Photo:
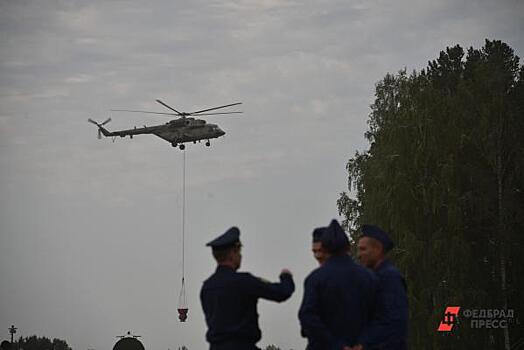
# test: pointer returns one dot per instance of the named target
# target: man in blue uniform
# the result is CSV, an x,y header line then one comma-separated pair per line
x,y
338,296
389,327
229,298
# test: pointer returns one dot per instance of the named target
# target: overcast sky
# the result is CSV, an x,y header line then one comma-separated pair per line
x,y
90,243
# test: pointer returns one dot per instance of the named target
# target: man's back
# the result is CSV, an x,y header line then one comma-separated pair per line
x,y
337,305
229,300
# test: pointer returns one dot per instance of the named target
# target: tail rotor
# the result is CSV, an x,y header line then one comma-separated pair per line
x,y
100,125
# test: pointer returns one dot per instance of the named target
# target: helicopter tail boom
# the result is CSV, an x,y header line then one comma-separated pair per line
x,y
104,131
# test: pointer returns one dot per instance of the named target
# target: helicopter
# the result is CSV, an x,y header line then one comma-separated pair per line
x,y
185,129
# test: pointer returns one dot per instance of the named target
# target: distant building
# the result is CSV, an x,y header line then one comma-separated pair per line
x,y
128,343
5,345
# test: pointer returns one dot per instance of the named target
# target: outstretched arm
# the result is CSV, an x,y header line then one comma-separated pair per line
x,y
279,291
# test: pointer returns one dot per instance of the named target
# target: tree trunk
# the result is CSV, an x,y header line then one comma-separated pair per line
x,y
501,246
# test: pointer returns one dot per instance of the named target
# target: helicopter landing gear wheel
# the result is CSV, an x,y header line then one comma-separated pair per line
x,y
174,144
208,143
182,147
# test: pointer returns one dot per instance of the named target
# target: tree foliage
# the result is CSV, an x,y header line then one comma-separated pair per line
x,y
272,347
444,174
42,343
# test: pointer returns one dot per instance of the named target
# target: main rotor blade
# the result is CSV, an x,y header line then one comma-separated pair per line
x,y
212,109
129,110
171,108
196,115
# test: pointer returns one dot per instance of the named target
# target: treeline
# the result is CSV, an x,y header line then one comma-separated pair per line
x,y
444,175
37,343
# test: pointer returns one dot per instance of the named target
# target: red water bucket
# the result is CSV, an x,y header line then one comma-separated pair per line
x,y
182,314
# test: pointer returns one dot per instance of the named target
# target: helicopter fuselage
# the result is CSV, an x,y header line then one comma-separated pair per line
x,y
177,131
187,128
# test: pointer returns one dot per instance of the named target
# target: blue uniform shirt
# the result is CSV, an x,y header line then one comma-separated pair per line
x,y
338,303
389,327
229,300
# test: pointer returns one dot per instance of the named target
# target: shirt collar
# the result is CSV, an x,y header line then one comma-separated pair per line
x,y
224,268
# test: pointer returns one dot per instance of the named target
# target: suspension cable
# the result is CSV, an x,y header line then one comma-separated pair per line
x,y
183,214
